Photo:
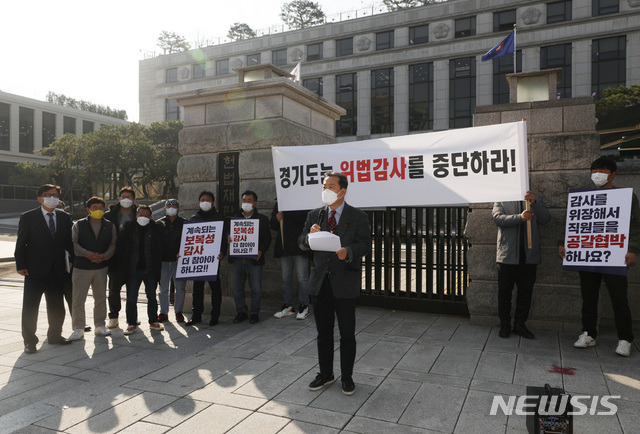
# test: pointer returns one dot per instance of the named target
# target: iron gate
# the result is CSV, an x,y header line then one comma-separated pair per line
x,y
418,260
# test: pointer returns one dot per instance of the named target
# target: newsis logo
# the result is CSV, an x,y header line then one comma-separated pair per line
x,y
555,405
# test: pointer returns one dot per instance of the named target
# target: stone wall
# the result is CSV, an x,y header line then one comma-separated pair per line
x,y
562,143
249,118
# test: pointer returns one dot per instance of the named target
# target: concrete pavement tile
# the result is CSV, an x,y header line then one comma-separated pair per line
x,y
206,372
140,427
124,414
13,374
306,414
626,406
384,354
217,394
420,358
425,377
366,426
294,342
298,427
498,388
389,401
17,360
334,400
412,328
532,370
142,384
177,412
496,367
498,344
26,383
217,419
276,357
383,325
33,429
298,392
260,422
309,350
272,381
176,369
459,362
471,333
629,422
25,416
517,424
371,380
475,415
114,354
50,368
597,424
442,328
623,382
390,338
444,404
587,379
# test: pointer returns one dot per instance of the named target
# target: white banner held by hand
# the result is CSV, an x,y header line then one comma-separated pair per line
x,y
245,236
199,249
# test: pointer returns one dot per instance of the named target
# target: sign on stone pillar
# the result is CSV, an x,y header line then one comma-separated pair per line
x,y
228,182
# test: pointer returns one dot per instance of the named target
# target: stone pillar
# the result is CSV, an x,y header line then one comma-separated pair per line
x,y
329,87
484,82
14,128
441,94
37,129
401,99
581,67
248,118
364,103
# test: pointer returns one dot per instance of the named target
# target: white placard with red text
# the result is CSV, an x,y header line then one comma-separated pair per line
x,y
199,249
469,165
245,235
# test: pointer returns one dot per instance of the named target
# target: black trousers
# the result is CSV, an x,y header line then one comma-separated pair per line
x,y
198,298
326,308
115,286
617,287
51,287
522,275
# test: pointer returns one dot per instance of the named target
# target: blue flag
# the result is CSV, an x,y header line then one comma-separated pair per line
x,y
504,47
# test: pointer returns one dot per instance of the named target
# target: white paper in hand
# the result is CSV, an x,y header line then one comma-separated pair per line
x,y
324,242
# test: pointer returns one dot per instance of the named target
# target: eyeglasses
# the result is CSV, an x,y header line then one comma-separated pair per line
x,y
50,195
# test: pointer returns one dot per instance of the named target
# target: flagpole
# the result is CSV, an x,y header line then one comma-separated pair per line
x,y
515,50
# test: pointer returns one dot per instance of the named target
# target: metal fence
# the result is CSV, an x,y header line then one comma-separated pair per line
x,y
418,260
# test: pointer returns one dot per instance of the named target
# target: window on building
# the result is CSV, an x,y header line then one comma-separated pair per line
x,y
87,127
501,67
68,125
346,97
465,27
172,75
384,40
604,7
279,57
25,131
172,111
504,20
421,97
558,56
48,129
462,91
382,101
222,67
608,64
199,70
314,51
419,35
344,47
313,84
559,11
254,59
5,127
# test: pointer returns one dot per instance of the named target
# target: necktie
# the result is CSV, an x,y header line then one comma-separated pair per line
x,y
332,221
52,225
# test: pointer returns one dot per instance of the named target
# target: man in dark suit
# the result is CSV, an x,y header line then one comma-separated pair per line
x,y
335,280
44,237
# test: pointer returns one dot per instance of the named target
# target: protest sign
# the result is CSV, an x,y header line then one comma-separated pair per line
x,y
199,249
597,230
244,234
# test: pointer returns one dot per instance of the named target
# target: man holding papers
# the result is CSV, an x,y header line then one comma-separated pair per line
x,y
335,278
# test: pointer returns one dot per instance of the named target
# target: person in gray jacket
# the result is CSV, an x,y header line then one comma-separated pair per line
x,y
516,262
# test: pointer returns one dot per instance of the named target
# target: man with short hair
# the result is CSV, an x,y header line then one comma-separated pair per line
x,y
603,171
250,268
119,214
44,238
94,243
335,280
171,227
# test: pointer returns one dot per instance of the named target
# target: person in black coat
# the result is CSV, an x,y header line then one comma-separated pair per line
x,y
44,238
171,227
250,268
288,226
208,213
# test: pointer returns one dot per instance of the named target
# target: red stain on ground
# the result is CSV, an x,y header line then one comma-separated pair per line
x,y
559,370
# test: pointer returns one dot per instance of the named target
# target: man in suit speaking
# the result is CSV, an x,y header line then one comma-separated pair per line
x,y
335,279
44,238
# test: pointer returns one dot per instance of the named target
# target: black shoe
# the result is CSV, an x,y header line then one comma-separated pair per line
x,y
505,330
59,341
254,319
87,328
321,381
520,329
213,322
193,321
241,316
348,386
30,349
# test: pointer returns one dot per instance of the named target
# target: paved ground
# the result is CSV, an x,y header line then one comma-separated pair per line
x,y
414,373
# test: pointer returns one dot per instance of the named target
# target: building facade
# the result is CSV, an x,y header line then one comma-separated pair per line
x,y
27,125
420,69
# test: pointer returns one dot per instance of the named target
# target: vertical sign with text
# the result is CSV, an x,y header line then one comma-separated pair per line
x,y
228,182
245,236
199,249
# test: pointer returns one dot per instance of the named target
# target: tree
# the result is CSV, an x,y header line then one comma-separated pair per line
x,y
164,139
394,5
300,14
620,98
618,113
79,104
25,173
239,31
171,42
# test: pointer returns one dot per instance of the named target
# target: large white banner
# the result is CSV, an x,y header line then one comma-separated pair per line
x,y
480,164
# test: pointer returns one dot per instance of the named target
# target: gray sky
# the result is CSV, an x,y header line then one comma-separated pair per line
x,y
90,50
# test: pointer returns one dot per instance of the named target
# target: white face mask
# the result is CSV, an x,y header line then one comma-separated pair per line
x,y
599,179
171,212
143,221
247,207
51,202
126,203
205,206
329,197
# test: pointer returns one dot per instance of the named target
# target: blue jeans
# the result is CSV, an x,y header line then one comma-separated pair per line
x,y
243,268
167,273
301,264
133,286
